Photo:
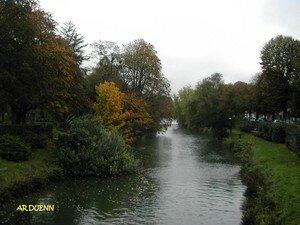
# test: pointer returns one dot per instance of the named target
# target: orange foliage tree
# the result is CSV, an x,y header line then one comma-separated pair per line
x,y
124,112
138,120
37,67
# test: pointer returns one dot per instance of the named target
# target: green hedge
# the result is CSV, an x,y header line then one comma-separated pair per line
x,y
292,139
274,132
278,132
248,126
266,130
13,148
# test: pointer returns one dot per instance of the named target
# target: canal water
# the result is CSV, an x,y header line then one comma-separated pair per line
x,y
185,179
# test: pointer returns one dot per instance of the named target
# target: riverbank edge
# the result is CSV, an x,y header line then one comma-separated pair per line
x,y
36,173
270,198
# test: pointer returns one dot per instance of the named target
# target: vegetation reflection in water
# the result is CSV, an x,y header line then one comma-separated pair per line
x,y
186,179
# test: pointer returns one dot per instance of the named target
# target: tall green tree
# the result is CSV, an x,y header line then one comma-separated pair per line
x,y
243,95
142,68
257,98
209,105
294,102
279,72
75,41
280,54
21,39
108,67
212,110
185,107
141,72
76,44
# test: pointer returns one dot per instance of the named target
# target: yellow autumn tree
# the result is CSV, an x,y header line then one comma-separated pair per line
x,y
109,105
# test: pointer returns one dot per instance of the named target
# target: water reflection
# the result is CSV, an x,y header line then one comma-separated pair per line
x,y
187,179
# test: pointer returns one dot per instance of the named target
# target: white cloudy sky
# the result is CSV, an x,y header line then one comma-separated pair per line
x,y
194,38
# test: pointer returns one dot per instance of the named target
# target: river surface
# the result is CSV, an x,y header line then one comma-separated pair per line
x,y
185,179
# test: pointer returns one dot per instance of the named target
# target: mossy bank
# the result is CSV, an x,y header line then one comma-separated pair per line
x,y
20,178
271,173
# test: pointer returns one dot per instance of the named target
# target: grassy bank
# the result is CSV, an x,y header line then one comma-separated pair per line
x,y
17,178
279,189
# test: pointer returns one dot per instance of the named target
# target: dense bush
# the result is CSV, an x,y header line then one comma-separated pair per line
x,y
36,140
267,131
220,133
88,149
14,148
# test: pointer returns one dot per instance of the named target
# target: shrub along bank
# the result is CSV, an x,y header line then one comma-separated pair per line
x,y
86,149
272,175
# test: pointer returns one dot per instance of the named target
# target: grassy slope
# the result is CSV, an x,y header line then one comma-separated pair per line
x,y
284,169
14,174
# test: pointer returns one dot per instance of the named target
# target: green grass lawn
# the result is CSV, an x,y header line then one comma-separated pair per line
x,y
14,174
283,168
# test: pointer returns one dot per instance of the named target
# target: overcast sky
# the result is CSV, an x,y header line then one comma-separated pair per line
x,y
193,38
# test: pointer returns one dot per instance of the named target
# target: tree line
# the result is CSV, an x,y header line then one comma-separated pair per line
x,y
276,89
41,70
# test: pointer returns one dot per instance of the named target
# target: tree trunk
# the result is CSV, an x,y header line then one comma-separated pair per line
x,y
284,114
